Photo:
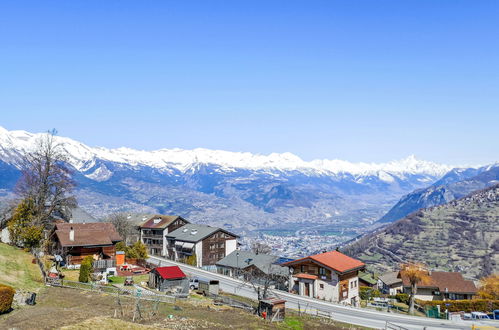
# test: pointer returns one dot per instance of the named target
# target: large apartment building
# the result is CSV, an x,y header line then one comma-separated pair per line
x,y
154,230
208,244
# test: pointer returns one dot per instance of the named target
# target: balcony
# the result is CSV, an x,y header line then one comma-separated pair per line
x,y
152,236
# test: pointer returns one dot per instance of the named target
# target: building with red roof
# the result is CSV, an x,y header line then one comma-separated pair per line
x,y
330,276
170,278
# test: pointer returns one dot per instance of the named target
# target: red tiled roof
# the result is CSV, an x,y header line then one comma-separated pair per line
x,y
170,272
332,259
164,221
87,234
452,282
307,276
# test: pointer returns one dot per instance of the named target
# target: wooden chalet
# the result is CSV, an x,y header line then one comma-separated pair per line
x,y
75,241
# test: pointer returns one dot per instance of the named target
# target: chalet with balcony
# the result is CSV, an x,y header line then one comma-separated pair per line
x,y
442,286
75,241
154,230
208,244
330,276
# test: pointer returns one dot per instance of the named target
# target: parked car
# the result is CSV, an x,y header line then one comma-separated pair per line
x,y
128,281
193,284
479,316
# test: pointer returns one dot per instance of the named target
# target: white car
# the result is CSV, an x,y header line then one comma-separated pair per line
x,y
193,284
479,316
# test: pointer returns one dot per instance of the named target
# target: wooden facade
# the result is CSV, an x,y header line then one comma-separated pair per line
x,y
214,247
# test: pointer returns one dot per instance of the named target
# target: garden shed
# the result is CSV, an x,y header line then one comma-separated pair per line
x,y
170,278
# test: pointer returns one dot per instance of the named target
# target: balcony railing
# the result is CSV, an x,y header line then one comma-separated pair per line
x,y
153,236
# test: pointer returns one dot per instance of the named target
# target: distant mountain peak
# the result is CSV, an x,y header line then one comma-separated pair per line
x,y
82,156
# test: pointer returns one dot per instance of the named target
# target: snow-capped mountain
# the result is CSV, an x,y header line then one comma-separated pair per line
x,y
238,190
82,158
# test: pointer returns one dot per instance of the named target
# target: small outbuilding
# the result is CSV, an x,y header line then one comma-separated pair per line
x,y
272,309
170,278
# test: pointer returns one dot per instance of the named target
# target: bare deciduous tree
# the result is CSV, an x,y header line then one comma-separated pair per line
x,y
263,281
46,180
123,226
260,248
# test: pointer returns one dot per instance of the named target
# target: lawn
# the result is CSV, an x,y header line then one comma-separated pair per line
x,y
17,270
121,279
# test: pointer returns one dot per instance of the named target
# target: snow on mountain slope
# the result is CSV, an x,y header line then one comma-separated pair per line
x,y
84,158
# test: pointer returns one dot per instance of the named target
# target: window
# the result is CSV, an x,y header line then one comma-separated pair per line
x,y
302,268
322,271
321,286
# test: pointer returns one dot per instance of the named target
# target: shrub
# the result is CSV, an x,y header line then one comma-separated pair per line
x,y
6,298
475,305
191,260
367,293
136,251
403,298
86,269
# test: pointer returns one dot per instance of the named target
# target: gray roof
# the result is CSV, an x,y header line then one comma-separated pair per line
x,y
192,232
79,215
264,262
390,278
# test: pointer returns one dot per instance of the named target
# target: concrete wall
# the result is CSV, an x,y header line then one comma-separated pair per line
x,y
424,294
198,248
230,246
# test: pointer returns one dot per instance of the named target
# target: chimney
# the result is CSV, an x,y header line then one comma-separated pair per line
x,y
71,234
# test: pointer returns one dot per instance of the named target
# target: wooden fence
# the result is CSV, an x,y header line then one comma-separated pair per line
x,y
140,294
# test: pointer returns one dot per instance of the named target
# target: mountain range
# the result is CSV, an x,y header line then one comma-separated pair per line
x,y
245,192
455,184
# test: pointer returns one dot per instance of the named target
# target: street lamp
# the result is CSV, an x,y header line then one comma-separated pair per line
x,y
237,263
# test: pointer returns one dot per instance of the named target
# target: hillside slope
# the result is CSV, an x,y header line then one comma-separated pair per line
x,y
462,235
456,184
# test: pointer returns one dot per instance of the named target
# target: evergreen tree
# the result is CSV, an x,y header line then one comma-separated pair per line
x,y
86,269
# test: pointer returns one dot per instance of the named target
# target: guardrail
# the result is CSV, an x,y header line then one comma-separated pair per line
x,y
393,326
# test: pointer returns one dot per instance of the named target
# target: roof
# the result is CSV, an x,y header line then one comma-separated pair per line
x,y
446,282
390,278
306,276
332,259
75,215
170,272
192,232
87,234
265,262
159,221
367,277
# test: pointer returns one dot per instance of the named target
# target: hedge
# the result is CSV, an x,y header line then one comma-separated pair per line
x,y
402,297
475,305
6,298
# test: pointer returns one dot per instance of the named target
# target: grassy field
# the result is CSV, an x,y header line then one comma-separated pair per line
x,y
17,270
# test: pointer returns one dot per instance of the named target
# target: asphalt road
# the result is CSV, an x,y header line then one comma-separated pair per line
x,y
352,315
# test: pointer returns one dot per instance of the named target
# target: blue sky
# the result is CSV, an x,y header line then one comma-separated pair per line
x,y
355,80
